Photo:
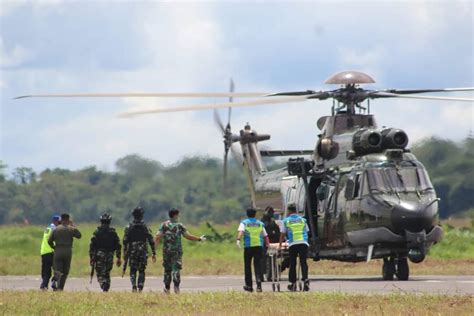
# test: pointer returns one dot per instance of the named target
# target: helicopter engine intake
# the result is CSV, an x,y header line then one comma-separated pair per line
x,y
394,138
366,141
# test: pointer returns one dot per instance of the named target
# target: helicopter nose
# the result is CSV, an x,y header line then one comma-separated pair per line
x,y
412,216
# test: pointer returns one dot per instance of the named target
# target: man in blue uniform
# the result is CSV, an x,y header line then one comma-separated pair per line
x,y
254,235
47,254
296,230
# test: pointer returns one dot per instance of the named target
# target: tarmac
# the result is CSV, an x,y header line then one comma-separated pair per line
x,y
429,284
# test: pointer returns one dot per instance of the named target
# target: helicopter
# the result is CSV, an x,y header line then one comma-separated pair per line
x,y
363,193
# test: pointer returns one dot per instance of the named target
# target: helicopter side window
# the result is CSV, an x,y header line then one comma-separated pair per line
x,y
365,185
357,185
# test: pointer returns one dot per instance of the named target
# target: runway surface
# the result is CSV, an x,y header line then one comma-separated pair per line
x,y
449,285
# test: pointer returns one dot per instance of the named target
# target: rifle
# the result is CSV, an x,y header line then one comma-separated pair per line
x,y
92,270
125,257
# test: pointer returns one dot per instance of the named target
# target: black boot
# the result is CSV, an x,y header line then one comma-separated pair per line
x,y
306,285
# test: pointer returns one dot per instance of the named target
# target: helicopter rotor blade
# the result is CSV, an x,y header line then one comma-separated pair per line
x,y
218,121
411,91
215,106
394,95
226,152
149,95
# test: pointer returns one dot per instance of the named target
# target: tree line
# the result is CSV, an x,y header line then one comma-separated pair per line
x,y
194,185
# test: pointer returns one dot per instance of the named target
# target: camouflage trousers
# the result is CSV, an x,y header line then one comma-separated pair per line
x,y
104,261
137,261
172,264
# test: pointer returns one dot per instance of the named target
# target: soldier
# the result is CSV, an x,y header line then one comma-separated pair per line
x,y
135,248
171,232
296,230
104,243
47,255
61,240
254,235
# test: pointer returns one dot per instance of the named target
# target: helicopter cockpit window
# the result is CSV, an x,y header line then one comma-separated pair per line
x,y
425,183
399,180
376,180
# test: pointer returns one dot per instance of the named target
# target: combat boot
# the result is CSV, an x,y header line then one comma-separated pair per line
x,y
259,287
166,289
176,289
306,285
248,288
134,289
292,287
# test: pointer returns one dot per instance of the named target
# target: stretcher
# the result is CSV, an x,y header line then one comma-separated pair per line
x,y
276,255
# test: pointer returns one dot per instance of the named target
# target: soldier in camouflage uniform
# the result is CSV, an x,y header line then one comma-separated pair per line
x,y
171,232
104,243
135,248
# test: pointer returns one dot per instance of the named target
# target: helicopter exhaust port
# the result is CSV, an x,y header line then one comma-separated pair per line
x,y
394,138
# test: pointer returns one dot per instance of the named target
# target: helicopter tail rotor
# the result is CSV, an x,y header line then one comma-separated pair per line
x,y
229,138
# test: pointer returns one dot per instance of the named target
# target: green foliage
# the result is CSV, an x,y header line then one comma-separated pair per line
x,y
193,185
451,168
457,243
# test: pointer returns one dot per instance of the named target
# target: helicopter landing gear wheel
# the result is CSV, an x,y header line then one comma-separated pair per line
x,y
388,269
403,271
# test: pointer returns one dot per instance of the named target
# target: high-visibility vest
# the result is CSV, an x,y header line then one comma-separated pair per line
x,y
296,229
253,233
45,247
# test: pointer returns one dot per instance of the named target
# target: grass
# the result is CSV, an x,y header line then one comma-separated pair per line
x,y
229,303
19,254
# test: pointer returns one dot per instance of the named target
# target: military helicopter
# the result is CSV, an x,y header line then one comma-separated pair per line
x,y
364,194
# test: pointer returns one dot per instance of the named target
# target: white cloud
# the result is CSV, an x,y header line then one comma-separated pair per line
x,y
12,57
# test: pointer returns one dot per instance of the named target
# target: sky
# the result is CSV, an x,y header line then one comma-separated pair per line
x,y
196,46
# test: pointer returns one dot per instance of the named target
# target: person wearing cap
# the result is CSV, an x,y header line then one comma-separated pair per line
x,y
170,232
61,240
135,250
104,243
296,230
255,237
47,254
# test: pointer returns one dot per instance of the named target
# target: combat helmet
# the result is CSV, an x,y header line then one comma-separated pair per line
x,y
105,218
138,212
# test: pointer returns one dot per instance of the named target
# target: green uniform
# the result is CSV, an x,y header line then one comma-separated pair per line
x,y
135,239
171,233
104,243
61,240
